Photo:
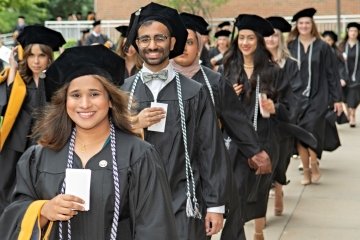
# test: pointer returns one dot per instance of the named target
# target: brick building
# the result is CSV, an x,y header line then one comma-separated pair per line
x,y
121,9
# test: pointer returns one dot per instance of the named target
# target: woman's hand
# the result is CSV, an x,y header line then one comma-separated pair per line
x,y
61,208
268,105
148,117
238,88
342,82
12,62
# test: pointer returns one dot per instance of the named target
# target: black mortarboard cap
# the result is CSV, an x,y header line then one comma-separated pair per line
x,y
307,12
255,23
21,16
86,30
194,22
97,22
279,23
80,61
167,16
331,34
223,24
353,24
222,33
42,35
123,30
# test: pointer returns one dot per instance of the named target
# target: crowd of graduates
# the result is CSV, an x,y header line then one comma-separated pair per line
x,y
182,139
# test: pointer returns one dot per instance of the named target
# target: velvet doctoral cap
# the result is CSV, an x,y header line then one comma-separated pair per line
x,y
307,12
331,34
163,14
97,22
279,23
123,30
254,23
222,33
42,35
353,24
80,61
195,23
223,24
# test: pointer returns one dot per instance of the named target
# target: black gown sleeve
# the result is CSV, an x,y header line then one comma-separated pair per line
x,y
235,122
24,195
332,76
211,154
150,199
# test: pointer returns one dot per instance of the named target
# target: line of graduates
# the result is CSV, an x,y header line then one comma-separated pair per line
x,y
213,143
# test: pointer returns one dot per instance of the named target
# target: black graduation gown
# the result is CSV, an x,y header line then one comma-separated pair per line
x,y
18,139
214,51
244,137
145,208
92,39
352,87
324,88
204,57
256,189
205,146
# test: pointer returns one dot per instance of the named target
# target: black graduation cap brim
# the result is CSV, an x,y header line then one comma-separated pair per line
x,y
42,35
254,23
331,34
223,24
85,30
222,33
123,30
280,23
353,24
85,60
167,16
97,22
195,23
307,12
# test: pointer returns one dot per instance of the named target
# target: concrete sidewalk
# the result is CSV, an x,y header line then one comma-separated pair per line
x,y
329,210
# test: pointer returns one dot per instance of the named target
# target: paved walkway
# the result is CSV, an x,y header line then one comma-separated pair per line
x,y
329,210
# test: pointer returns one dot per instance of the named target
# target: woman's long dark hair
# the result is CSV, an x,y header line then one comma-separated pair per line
x,y
263,66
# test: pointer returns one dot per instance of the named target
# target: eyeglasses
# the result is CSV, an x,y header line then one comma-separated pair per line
x,y
144,41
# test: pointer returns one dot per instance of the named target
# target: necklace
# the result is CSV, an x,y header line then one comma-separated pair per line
x,y
83,147
248,66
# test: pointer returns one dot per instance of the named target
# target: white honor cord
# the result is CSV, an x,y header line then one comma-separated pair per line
x,y
256,108
192,206
308,87
353,76
208,85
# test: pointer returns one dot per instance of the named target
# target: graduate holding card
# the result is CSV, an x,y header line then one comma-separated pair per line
x,y
85,132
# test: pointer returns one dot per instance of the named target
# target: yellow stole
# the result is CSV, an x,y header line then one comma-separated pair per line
x,y
32,217
16,99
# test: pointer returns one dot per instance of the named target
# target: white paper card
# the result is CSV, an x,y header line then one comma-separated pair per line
x,y
160,126
5,53
264,114
78,184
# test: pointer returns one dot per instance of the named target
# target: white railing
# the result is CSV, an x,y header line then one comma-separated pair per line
x,y
71,29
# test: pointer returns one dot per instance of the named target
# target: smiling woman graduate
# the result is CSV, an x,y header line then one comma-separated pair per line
x,y
86,127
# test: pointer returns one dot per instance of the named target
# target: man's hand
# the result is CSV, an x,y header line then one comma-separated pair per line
x,y
338,108
213,223
148,117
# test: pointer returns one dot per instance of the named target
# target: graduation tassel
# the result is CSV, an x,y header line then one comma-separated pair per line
x,y
189,207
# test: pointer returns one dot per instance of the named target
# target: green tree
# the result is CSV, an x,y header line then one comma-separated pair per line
x,y
65,7
199,7
34,10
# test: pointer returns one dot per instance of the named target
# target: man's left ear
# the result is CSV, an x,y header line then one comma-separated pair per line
x,y
172,43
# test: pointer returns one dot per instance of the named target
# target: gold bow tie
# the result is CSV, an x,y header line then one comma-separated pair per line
x,y
162,75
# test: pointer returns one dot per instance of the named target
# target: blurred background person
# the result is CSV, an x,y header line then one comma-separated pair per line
x,y
23,91
350,48
216,53
84,35
133,61
96,37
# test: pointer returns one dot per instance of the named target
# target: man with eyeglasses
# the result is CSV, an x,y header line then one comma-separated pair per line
x,y
178,118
